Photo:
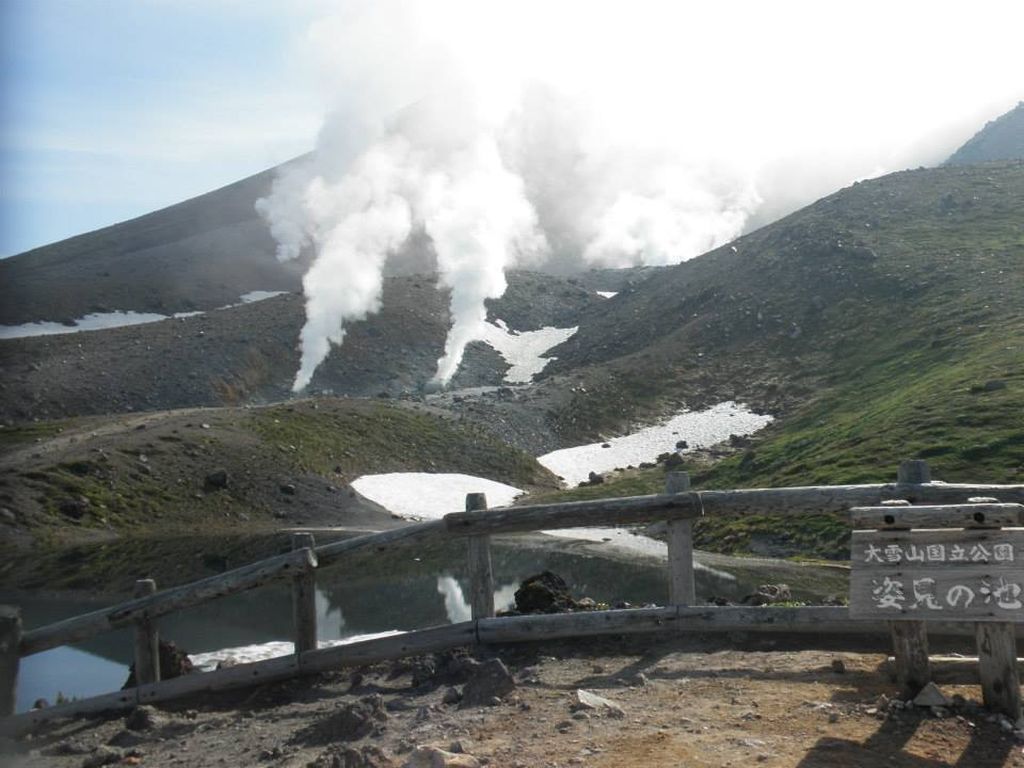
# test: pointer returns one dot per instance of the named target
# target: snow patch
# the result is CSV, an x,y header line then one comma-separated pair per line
x,y
524,350
699,429
254,296
422,495
96,321
607,294
101,321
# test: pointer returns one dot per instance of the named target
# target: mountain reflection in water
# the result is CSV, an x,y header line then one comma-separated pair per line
x,y
400,589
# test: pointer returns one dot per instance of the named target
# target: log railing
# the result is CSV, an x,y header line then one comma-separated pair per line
x,y
678,506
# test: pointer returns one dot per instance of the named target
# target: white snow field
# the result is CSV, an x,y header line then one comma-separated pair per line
x,y
417,495
427,496
699,429
523,350
98,321
607,294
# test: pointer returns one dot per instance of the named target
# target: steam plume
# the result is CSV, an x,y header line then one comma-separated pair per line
x,y
577,134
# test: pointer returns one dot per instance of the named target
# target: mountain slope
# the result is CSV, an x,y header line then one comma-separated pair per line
x,y
884,321
249,353
198,254
281,465
1000,139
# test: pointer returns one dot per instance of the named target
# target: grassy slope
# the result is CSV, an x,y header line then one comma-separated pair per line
x,y
895,368
147,472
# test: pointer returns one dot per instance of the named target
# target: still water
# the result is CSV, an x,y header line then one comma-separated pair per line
x,y
378,592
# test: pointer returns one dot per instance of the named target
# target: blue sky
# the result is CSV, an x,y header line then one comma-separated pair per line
x,y
112,108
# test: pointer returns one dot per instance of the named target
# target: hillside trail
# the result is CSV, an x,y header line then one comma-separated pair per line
x,y
95,427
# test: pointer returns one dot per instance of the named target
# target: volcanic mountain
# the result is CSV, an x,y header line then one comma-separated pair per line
x,y
1000,139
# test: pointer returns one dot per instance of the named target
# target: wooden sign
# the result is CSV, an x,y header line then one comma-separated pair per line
x,y
938,575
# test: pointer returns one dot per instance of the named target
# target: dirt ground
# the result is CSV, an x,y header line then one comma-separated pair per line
x,y
694,703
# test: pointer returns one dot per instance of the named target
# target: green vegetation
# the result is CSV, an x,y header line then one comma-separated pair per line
x,y
898,311
374,437
22,434
221,469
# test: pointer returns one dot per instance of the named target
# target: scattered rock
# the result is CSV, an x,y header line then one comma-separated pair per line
x,y
103,755
217,480
931,696
674,461
433,757
338,756
7,516
989,386
838,666
74,508
681,445
545,592
768,594
126,738
67,747
488,681
143,719
174,662
587,700
351,722
288,489
452,695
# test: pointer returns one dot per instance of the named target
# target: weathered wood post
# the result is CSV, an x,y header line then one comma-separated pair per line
x,y
997,667
304,599
481,578
910,638
147,640
10,655
681,584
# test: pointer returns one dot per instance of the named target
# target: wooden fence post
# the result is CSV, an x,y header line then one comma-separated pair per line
x,y
910,638
681,584
481,577
10,655
147,640
913,471
304,599
997,667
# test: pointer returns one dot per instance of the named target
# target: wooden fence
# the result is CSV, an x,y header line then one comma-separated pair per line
x,y
679,506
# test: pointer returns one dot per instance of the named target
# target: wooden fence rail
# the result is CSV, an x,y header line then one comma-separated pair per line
x,y
678,505
160,603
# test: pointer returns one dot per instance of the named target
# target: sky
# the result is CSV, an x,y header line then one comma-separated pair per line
x,y
112,108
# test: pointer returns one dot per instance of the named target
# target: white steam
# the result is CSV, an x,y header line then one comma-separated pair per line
x,y
572,134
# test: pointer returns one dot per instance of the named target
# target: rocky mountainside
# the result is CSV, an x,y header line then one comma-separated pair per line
x,y
885,320
249,354
214,469
199,254
1000,139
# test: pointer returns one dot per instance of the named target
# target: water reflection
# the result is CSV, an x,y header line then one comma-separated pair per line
x,y
382,591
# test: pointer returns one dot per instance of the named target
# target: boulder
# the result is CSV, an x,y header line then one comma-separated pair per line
x,y
143,719
488,682
931,696
358,719
545,592
587,700
216,480
174,662
769,594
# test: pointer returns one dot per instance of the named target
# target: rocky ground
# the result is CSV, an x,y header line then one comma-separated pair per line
x,y
612,702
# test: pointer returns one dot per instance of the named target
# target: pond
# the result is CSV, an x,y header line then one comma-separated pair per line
x,y
401,589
